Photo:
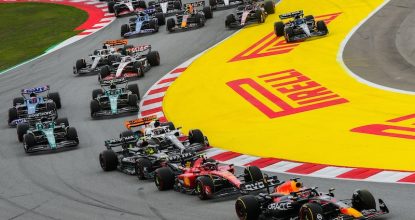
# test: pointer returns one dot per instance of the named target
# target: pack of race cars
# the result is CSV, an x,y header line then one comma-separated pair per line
x,y
156,150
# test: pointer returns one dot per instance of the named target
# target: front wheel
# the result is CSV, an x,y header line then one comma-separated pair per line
x,y
143,165
108,160
247,207
164,179
204,187
153,58
311,211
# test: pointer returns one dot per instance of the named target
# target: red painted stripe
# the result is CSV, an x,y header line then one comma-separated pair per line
x,y
151,111
359,173
178,70
226,156
306,168
408,179
152,101
155,91
167,80
263,162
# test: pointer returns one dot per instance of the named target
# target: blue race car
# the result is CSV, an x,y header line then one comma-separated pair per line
x,y
31,103
147,21
49,135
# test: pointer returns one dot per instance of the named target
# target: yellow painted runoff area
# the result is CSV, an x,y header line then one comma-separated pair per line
x,y
255,94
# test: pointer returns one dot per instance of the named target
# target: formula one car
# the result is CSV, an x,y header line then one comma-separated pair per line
x,y
112,100
207,179
31,103
140,156
167,7
48,135
191,18
224,4
30,122
291,201
300,27
143,23
249,13
125,7
101,57
139,60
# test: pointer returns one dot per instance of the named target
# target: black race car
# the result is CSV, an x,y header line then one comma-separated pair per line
x,y
191,18
291,200
250,13
300,27
111,100
225,4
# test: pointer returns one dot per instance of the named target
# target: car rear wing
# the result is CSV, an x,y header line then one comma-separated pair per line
x,y
291,14
139,49
113,81
112,43
116,142
265,183
194,4
38,89
139,121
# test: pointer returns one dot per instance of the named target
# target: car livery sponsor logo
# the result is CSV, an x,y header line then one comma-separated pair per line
x,y
138,48
280,206
271,45
401,127
40,114
291,93
35,90
17,121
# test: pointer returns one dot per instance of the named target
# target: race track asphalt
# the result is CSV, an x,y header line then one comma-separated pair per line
x,y
71,184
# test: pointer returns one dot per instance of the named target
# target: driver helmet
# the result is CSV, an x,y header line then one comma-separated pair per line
x,y
189,8
113,86
45,122
33,98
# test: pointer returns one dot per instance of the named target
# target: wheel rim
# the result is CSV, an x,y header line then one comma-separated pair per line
x,y
240,209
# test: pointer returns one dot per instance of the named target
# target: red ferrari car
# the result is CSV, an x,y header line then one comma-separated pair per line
x,y
207,179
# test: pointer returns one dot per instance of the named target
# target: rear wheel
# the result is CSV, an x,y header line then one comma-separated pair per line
x,y
142,4
142,165
105,71
322,27
133,100
252,174
213,4
363,200
51,106
108,160
153,58
177,5
311,211
164,178
94,107
161,18
204,187
125,28
96,93
134,89
171,23
64,121
279,29
56,99
208,12
247,207
111,7
22,128
18,100
260,16
309,18
230,19
269,7
196,136
12,114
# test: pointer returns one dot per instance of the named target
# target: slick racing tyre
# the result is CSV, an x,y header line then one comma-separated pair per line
x,y
125,28
213,4
154,25
133,100
164,178
22,128
29,141
80,64
260,16
12,114
289,32
94,107
204,187
56,99
269,7
18,100
279,29
171,23
161,18
309,18
153,58
96,93
141,165
363,200
252,174
208,12
111,7
230,19
322,27
72,134
105,70
134,89
64,121
311,211
177,5
142,4
247,208
196,136
51,107
170,125
108,160
200,20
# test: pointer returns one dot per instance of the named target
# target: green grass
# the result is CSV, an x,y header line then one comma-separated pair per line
x,y
28,29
